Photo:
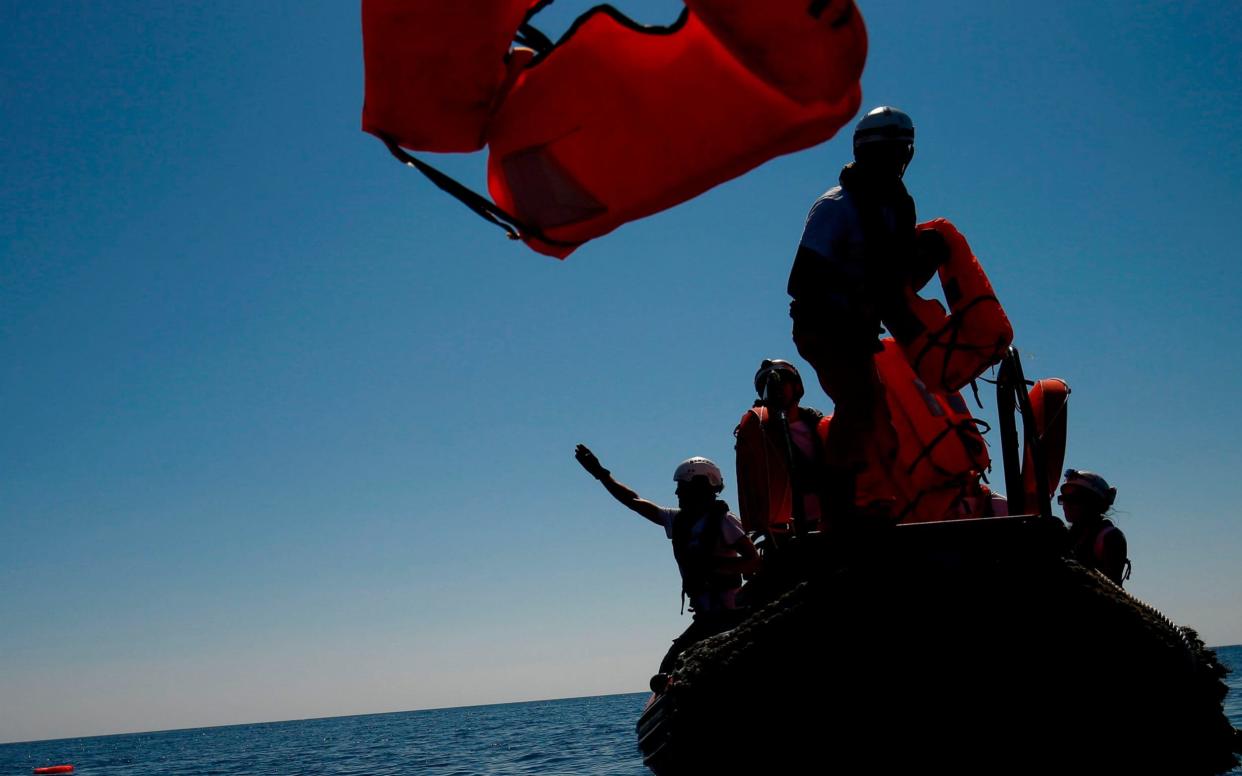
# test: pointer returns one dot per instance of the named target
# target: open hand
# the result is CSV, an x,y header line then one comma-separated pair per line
x,y
590,462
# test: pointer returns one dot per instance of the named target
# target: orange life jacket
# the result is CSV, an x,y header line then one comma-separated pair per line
x,y
940,451
764,487
616,121
954,348
1049,399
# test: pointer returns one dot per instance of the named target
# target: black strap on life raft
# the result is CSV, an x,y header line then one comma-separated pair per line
x,y
531,36
481,205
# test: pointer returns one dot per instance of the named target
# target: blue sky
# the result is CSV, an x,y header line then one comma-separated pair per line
x,y
288,433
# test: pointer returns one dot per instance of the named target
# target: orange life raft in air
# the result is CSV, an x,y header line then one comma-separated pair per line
x,y
954,348
616,121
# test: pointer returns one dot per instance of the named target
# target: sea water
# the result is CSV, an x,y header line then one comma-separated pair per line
x,y
584,736
578,736
1232,658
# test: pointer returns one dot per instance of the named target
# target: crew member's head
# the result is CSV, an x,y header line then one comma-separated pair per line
x,y
884,142
1085,496
698,482
778,384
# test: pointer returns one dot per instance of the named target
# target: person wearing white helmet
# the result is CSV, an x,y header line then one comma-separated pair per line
x,y
1094,541
857,256
710,547
780,457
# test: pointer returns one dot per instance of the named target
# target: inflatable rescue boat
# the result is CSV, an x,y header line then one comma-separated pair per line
x,y
965,646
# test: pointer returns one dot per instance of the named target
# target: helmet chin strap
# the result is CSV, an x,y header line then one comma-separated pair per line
x,y
906,165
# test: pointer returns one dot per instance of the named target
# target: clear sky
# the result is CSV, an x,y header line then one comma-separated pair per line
x,y
288,433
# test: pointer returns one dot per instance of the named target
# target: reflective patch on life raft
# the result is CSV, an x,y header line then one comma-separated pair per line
x,y
544,192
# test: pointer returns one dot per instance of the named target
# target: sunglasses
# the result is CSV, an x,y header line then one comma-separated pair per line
x,y
1072,498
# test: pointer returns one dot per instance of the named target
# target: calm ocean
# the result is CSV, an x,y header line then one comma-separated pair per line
x,y
578,736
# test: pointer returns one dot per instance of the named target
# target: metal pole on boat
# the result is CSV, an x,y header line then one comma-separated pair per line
x,y
1006,409
1013,400
1034,442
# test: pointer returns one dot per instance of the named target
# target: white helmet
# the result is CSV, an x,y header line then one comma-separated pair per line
x,y
699,467
1092,483
884,123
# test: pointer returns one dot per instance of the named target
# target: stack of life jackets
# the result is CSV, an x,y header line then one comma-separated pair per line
x,y
940,453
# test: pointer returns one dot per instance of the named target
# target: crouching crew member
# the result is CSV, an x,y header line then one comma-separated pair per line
x,y
1095,542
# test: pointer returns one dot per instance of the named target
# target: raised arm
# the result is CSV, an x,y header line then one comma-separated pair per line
x,y
620,492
